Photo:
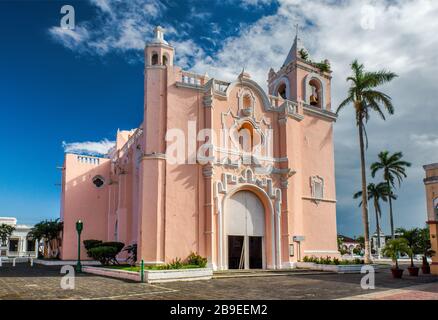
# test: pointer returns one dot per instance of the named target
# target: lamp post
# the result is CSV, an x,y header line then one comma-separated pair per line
x,y
79,227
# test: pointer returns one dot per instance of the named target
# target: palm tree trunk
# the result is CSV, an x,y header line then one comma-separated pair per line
x,y
376,207
390,210
365,221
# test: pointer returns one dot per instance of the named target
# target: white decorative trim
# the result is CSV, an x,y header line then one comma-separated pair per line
x,y
265,187
328,115
321,251
314,180
319,200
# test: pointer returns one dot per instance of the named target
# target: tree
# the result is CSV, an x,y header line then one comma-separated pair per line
x,y
394,248
376,193
49,231
303,54
5,232
361,241
393,169
413,239
364,97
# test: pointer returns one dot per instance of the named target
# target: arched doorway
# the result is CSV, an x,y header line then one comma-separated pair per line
x,y
245,231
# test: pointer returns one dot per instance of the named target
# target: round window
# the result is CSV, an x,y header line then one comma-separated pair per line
x,y
98,181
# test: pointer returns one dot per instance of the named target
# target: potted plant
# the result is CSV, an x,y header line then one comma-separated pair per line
x,y
394,248
425,248
412,238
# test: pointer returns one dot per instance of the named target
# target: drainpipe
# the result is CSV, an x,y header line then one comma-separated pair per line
x,y
278,237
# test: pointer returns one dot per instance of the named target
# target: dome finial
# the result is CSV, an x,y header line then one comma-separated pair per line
x,y
159,35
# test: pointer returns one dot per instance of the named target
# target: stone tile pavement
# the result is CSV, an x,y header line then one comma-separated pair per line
x,y
43,282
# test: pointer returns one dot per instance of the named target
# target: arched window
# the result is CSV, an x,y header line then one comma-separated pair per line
x,y
116,231
247,101
246,137
282,91
154,60
164,60
316,94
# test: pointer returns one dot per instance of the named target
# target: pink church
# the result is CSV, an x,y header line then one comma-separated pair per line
x,y
262,196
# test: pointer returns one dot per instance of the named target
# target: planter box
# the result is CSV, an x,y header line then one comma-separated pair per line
x,y
153,276
113,273
65,262
348,268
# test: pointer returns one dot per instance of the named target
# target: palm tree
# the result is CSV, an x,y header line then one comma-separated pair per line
x,y
364,97
393,168
394,248
412,238
376,193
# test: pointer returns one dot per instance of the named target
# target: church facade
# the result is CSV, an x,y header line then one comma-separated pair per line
x,y
236,174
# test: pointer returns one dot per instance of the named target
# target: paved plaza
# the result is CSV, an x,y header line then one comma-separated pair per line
x,y
42,282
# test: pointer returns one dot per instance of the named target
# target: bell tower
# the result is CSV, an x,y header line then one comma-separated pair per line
x,y
159,68
302,80
158,52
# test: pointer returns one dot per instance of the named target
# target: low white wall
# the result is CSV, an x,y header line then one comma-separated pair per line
x,y
113,273
153,276
66,262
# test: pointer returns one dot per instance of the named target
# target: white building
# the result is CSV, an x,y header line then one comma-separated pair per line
x,y
374,241
18,244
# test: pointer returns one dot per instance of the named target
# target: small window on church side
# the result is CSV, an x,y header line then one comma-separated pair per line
x,y
164,60
317,186
98,181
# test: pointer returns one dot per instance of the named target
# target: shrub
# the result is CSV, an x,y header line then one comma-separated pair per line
x,y
196,259
175,264
118,245
105,255
89,244
105,252
306,259
132,253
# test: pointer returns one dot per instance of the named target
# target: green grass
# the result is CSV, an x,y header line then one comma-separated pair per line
x,y
126,267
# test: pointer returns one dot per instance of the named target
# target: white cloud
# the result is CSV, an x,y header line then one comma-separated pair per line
x,y
93,148
425,140
120,26
256,3
70,38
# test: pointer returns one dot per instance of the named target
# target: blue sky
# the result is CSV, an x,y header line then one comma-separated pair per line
x,y
80,86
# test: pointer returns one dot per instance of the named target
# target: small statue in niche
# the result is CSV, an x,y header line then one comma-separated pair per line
x,y
314,97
